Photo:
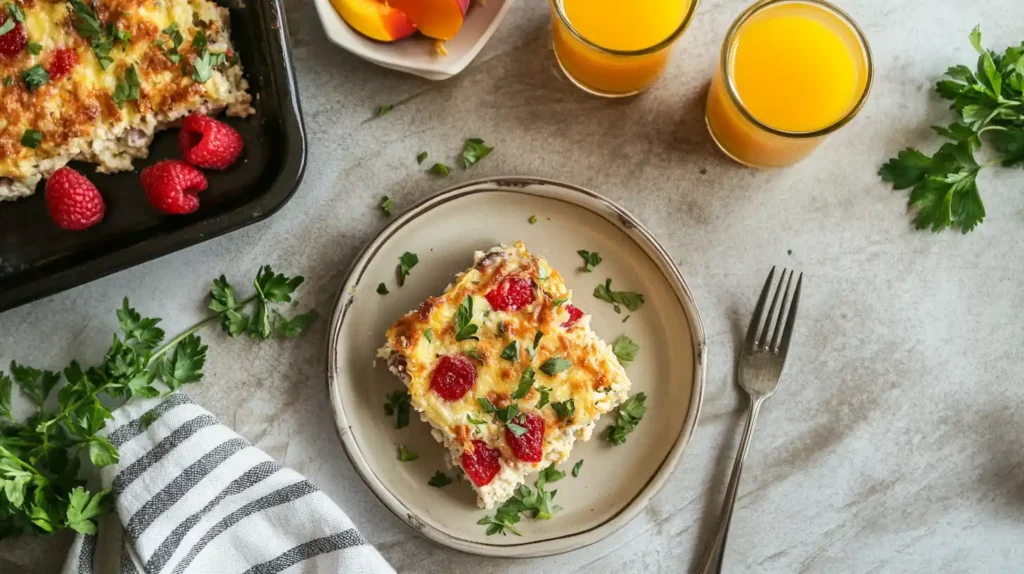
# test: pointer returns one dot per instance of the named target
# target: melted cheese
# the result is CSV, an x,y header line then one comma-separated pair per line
x,y
77,115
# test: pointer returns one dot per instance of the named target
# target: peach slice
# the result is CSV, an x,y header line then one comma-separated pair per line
x,y
440,19
375,19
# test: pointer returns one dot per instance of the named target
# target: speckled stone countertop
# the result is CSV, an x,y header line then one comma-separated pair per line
x,y
894,443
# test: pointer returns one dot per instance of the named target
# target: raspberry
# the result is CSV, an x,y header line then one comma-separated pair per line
x,y
483,464
527,446
453,377
511,294
574,315
12,43
64,59
73,201
172,186
206,142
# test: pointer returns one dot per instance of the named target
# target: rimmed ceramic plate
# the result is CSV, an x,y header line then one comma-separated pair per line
x,y
616,483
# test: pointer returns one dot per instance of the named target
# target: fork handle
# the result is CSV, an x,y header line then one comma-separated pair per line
x,y
712,563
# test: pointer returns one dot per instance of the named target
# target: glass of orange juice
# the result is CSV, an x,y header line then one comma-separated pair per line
x,y
791,72
617,48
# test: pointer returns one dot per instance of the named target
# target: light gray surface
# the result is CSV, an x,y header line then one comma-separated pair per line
x,y
894,443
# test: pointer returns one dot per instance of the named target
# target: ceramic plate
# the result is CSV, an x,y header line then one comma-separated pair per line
x,y
616,482
418,55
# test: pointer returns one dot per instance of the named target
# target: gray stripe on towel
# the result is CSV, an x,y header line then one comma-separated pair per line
x,y
276,498
180,434
180,486
346,539
130,430
126,565
170,544
87,554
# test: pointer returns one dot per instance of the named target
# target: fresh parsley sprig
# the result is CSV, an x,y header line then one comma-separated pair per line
x,y
271,289
990,101
536,503
630,414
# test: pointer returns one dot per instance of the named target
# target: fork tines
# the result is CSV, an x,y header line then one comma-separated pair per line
x,y
773,323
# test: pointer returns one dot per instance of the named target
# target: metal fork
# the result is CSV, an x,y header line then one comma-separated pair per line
x,y
758,373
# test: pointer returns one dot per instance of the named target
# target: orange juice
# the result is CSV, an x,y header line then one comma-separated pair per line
x,y
792,71
617,47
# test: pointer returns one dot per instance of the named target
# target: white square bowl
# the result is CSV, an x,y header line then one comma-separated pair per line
x,y
418,55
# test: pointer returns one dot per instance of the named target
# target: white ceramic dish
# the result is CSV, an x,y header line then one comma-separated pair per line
x,y
616,483
417,55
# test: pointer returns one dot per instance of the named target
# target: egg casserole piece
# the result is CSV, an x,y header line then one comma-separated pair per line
x,y
97,79
505,369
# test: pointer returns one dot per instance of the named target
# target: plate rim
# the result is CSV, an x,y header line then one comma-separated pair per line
x,y
528,549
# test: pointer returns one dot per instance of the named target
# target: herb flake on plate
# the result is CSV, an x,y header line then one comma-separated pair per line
x,y
630,413
406,455
398,405
628,299
439,480
590,259
625,349
405,264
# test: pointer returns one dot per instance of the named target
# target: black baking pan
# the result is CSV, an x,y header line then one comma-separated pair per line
x,y
38,259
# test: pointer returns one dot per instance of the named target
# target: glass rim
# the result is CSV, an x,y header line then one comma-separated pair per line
x,y
730,86
641,52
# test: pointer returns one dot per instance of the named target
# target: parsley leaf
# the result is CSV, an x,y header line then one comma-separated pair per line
x,y
464,328
382,289
405,264
34,383
576,468
474,150
511,352
545,396
554,365
383,110
590,260
222,301
82,509
292,328
7,26
945,191
35,77
398,405
5,397
536,338
474,354
17,14
630,413
506,414
8,81
439,480
186,365
565,409
406,455
276,287
526,381
625,349
532,220
486,405
34,48
440,169
386,205
474,420
428,334
174,35
518,425
629,299
421,156
549,474
89,27
31,138
558,302
127,88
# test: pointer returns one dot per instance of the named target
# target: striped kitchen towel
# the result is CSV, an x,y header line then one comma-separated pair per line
x,y
193,497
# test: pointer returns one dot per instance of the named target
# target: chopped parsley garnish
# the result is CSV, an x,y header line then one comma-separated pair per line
x,y
474,150
506,414
628,299
383,110
526,381
206,61
544,396
382,289
576,468
464,328
122,37
440,169
474,354
511,352
590,260
554,365
429,335
16,13
398,404
7,26
31,138
386,205
543,274
8,81
405,264
421,156
630,413
487,405
518,425
558,302
537,503
34,48
625,349
536,339
565,409
127,88
549,474
35,77
439,480
475,421
406,455
532,220
100,37
174,35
